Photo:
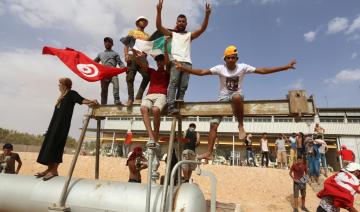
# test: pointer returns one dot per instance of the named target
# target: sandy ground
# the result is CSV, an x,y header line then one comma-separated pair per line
x,y
255,189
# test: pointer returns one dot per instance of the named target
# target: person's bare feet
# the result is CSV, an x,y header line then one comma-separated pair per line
x,y
206,156
242,133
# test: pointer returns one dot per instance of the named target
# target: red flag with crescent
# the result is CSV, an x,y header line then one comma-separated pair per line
x,y
82,65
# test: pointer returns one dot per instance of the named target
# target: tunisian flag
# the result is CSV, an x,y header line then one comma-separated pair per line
x,y
82,65
342,187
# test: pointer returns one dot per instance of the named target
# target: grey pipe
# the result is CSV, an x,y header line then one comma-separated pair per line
x,y
168,165
20,193
176,167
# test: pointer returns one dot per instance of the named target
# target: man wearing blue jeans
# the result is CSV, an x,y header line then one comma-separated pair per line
x,y
249,150
109,58
322,150
231,75
180,51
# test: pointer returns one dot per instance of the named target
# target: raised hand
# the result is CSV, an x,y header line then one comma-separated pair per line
x,y
159,6
207,9
292,64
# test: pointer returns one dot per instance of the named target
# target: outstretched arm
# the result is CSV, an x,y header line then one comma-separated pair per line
x,y
203,27
199,72
97,59
159,26
166,54
270,70
90,102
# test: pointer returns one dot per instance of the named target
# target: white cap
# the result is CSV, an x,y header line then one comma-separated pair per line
x,y
141,17
352,167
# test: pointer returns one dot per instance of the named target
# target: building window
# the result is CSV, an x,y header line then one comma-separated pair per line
x,y
113,118
353,119
204,118
307,119
228,119
247,119
332,119
169,119
262,119
125,118
283,119
190,119
138,119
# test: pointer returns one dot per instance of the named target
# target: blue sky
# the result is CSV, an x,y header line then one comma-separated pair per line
x,y
323,35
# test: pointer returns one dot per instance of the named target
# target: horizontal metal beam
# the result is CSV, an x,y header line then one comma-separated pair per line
x,y
251,108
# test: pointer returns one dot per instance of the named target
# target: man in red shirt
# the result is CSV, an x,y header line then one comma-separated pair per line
x,y
297,173
155,99
347,155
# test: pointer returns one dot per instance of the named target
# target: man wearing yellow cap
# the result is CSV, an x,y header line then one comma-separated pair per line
x,y
138,33
231,75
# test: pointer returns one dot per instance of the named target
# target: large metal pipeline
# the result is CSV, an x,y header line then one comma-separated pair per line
x,y
28,194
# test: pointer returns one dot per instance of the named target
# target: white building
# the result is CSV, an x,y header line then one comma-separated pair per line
x,y
342,126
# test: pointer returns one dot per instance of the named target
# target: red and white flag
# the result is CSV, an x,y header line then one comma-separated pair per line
x,y
82,65
342,187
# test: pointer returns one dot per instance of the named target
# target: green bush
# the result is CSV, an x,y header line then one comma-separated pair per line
x,y
15,137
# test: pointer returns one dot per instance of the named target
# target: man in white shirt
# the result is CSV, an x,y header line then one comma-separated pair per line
x,y
231,75
180,51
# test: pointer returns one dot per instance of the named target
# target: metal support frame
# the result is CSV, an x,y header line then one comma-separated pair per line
x,y
296,105
61,204
148,191
179,146
97,149
168,165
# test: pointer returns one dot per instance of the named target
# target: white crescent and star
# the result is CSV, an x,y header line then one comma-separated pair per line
x,y
88,70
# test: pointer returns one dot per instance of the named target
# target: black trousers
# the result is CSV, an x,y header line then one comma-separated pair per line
x,y
265,155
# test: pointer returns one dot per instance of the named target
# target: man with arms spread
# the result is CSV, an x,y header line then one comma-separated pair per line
x,y
180,51
231,75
